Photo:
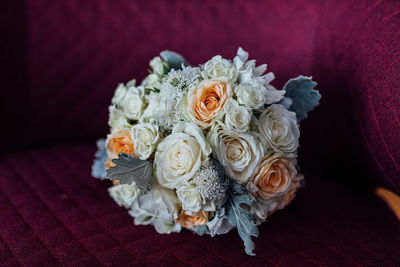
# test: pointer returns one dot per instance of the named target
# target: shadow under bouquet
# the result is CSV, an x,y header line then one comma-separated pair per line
x,y
208,148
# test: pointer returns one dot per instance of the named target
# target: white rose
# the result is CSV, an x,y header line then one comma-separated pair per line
x,y
190,198
154,106
124,194
278,127
251,94
145,137
180,155
159,207
157,65
119,94
152,80
133,103
219,67
237,117
117,119
239,153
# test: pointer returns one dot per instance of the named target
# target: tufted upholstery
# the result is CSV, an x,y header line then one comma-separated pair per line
x,y
61,61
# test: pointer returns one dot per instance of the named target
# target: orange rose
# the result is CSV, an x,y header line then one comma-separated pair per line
x,y
274,176
189,219
118,142
207,100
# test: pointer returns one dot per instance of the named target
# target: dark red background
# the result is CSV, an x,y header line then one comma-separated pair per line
x,y
62,60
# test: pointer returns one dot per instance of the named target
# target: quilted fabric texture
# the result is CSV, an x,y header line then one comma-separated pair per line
x,y
52,211
62,60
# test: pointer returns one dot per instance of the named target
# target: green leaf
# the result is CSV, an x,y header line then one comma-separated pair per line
x,y
174,60
129,169
239,216
98,167
304,97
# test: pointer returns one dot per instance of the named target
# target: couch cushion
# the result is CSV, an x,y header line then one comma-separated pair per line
x,y
53,212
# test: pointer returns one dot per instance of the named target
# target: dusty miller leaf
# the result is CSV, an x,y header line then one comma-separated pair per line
x,y
98,167
304,97
174,60
201,229
240,217
129,169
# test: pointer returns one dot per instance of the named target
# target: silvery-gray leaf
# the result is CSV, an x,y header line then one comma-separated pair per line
x,y
220,170
304,97
286,102
240,217
174,60
201,229
98,167
129,169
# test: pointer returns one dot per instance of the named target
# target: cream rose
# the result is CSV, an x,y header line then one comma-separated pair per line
x,y
159,207
133,103
278,127
119,94
117,119
207,100
124,194
237,117
190,198
157,65
274,176
180,155
219,67
251,94
152,81
239,153
145,137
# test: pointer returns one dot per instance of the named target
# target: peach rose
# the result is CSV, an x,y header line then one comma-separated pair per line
x,y
207,100
118,142
189,219
287,199
274,176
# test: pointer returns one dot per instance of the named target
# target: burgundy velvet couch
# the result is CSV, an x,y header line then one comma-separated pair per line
x,y
62,60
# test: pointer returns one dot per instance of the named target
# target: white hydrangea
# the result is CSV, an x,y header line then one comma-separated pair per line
x,y
178,82
172,96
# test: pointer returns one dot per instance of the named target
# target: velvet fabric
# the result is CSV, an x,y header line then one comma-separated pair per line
x,y
62,60
53,212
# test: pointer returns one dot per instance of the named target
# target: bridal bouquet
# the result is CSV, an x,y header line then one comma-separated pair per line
x,y
208,148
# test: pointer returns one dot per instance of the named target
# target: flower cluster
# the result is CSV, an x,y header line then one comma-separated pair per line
x,y
204,129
